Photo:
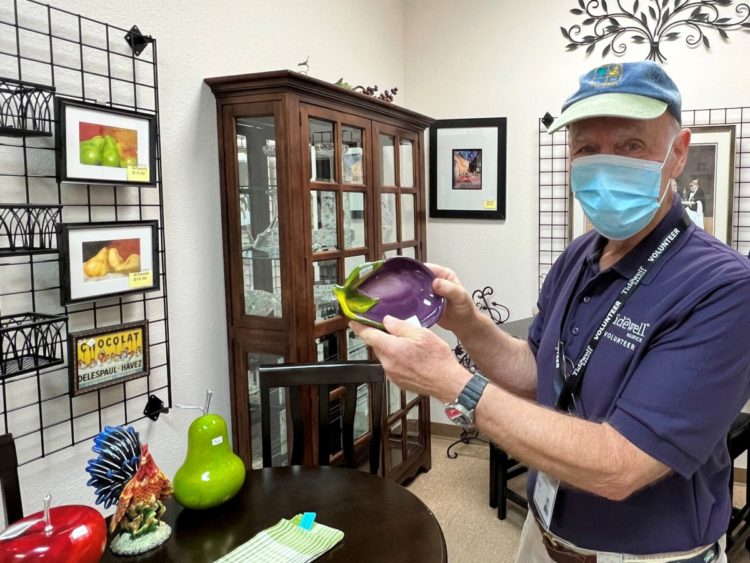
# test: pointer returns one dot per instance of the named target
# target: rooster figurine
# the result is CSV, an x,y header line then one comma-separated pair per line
x,y
125,473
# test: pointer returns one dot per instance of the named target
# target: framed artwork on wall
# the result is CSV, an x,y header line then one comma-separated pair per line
x,y
98,144
467,168
106,356
107,259
706,185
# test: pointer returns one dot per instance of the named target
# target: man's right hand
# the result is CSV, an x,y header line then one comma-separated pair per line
x,y
460,308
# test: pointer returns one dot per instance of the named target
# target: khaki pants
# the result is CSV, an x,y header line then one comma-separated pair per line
x,y
531,549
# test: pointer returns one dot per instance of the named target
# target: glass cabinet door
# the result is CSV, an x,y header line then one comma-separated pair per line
x,y
399,198
339,187
258,212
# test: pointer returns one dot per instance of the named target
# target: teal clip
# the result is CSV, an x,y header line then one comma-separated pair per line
x,y
308,519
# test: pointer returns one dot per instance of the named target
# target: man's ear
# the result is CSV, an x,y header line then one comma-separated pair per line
x,y
680,151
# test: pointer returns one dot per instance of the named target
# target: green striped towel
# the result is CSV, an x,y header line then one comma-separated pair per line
x,y
286,542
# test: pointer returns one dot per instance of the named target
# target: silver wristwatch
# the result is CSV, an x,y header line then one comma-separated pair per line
x,y
461,411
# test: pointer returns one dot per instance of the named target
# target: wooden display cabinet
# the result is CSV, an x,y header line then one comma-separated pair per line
x,y
315,179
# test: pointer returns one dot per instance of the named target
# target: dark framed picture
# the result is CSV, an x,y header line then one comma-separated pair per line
x,y
467,168
106,356
104,145
100,260
706,185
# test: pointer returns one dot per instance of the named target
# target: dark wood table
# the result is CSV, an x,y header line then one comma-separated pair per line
x,y
381,520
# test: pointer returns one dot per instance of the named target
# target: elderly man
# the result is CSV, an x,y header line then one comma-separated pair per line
x,y
637,362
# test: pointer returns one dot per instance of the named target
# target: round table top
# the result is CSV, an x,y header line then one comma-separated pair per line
x,y
381,520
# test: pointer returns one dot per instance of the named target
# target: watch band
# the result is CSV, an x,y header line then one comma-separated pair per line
x,y
472,391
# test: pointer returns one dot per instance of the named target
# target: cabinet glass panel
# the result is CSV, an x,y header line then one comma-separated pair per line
x,y
327,348
413,438
387,162
351,262
352,155
388,217
324,278
259,221
321,151
409,251
407,217
354,219
323,209
278,412
362,412
406,164
410,396
390,253
394,397
356,349
393,439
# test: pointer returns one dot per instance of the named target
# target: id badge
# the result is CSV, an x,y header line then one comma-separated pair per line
x,y
545,491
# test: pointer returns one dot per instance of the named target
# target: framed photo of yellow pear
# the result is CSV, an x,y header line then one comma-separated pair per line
x,y
106,356
706,185
107,259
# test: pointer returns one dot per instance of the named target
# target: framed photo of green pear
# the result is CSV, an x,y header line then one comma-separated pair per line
x,y
706,185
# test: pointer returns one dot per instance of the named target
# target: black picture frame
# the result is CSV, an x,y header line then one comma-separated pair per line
x,y
106,356
83,247
133,162
468,193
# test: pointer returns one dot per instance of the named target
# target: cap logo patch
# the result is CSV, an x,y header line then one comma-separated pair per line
x,y
606,76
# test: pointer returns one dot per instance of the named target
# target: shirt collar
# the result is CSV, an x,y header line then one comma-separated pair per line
x,y
628,264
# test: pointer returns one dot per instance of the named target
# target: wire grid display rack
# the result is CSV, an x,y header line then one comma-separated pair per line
x,y
554,179
82,59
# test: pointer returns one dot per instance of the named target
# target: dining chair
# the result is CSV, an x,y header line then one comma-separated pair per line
x,y
335,388
9,484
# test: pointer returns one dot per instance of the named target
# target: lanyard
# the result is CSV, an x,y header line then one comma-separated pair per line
x,y
572,381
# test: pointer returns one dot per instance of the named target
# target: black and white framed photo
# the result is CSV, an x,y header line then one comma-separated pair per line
x,y
106,356
706,185
104,145
107,259
467,168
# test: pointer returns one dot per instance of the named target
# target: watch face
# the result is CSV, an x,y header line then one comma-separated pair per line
x,y
458,414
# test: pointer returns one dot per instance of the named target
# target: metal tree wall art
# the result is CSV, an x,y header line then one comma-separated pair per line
x,y
650,22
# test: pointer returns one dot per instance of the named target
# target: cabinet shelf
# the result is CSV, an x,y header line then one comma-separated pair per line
x,y
25,109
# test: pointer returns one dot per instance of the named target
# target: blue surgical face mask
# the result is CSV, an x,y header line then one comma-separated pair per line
x,y
618,194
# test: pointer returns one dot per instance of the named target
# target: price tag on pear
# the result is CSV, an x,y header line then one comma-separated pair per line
x,y
211,473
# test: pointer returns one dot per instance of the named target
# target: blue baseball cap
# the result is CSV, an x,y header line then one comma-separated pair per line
x,y
638,90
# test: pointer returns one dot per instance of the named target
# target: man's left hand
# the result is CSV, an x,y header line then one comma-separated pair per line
x,y
415,358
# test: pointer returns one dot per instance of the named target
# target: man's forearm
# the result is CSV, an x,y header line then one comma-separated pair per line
x,y
589,456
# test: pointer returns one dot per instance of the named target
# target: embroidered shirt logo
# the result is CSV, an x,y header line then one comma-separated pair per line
x,y
633,332
607,75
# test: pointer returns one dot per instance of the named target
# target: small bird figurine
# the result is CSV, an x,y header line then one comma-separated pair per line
x,y
125,473
142,500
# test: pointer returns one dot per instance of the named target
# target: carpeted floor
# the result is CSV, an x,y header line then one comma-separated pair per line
x,y
457,492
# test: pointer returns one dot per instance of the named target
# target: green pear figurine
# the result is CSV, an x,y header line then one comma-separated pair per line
x,y
211,473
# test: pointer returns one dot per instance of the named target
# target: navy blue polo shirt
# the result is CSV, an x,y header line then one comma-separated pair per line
x,y
670,375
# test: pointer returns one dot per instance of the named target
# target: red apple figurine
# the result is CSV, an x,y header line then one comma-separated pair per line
x,y
63,534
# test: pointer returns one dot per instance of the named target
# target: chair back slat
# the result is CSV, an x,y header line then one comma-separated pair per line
x,y
9,484
326,377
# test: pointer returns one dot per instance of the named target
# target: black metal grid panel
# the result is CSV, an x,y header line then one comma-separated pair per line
x,y
87,60
554,175
553,197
